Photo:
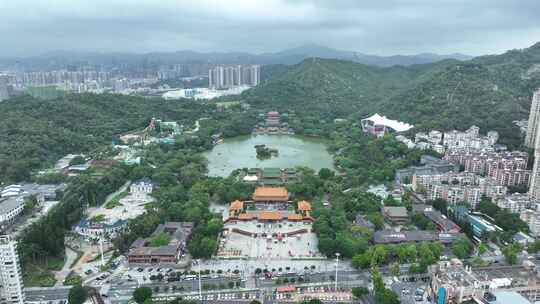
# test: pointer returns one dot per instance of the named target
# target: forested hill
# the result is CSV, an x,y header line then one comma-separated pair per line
x,y
489,91
335,87
34,132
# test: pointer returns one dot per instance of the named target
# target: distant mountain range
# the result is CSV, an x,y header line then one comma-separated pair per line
x,y
488,91
60,59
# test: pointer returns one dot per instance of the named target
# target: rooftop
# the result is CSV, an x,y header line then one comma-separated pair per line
x,y
440,220
237,205
303,205
390,236
270,215
10,203
179,232
395,211
271,194
398,126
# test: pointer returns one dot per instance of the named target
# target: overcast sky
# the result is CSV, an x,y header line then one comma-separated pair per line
x,y
382,27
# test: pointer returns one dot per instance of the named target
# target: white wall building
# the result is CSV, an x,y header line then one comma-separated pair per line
x,y
532,218
11,284
141,188
10,209
534,120
94,231
514,203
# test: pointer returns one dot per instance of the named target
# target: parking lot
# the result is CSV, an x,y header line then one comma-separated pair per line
x,y
411,292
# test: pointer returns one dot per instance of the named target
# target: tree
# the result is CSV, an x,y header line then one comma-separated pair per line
x,y
510,253
382,294
312,301
255,302
395,269
378,283
482,248
358,292
77,160
326,173
462,247
141,294
387,296
77,295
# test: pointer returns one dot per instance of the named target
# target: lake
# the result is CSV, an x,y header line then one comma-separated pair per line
x,y
239,152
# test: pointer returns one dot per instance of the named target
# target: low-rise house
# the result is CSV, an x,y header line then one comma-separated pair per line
x,y
413,236
142,252
482,224
93,231
396,215
442,222
523,238
141,187
361,221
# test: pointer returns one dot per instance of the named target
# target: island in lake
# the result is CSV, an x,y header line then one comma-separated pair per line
x,y
264,152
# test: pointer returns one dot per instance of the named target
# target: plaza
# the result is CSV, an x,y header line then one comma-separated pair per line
x,y
280,240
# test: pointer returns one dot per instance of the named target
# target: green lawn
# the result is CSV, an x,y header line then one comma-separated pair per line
x,y
115,201
161,239
40,275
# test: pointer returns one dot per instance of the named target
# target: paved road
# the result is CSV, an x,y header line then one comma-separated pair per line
x,y
115,193
47,294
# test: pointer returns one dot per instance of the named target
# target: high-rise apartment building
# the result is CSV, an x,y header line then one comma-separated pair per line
x,y
225,77
534,119
11,284
531,140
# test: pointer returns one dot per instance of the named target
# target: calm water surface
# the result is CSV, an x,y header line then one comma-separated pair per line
x,y
239,152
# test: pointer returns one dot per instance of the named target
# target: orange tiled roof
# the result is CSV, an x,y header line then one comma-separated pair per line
x,y
245,216
289,288
270,215
237,205
303,205
294,217
271,194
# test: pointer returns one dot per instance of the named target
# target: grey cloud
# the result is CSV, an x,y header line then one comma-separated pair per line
x,y
378,27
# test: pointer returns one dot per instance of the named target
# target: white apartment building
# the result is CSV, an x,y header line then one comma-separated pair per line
x,y
141,188
534,120
457,187
11,284
10,209
469,139
514,203
532,218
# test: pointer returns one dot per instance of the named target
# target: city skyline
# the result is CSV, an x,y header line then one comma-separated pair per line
x,y
481,27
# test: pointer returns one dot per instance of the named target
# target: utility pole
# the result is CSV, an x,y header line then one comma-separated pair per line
x,y
337,265
101,249
200,290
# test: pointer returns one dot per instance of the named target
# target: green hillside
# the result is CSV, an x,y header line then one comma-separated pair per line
x,y
36,132
489,91
334,87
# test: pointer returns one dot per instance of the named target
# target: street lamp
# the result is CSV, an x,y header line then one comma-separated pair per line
x,y
198,261
337,264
